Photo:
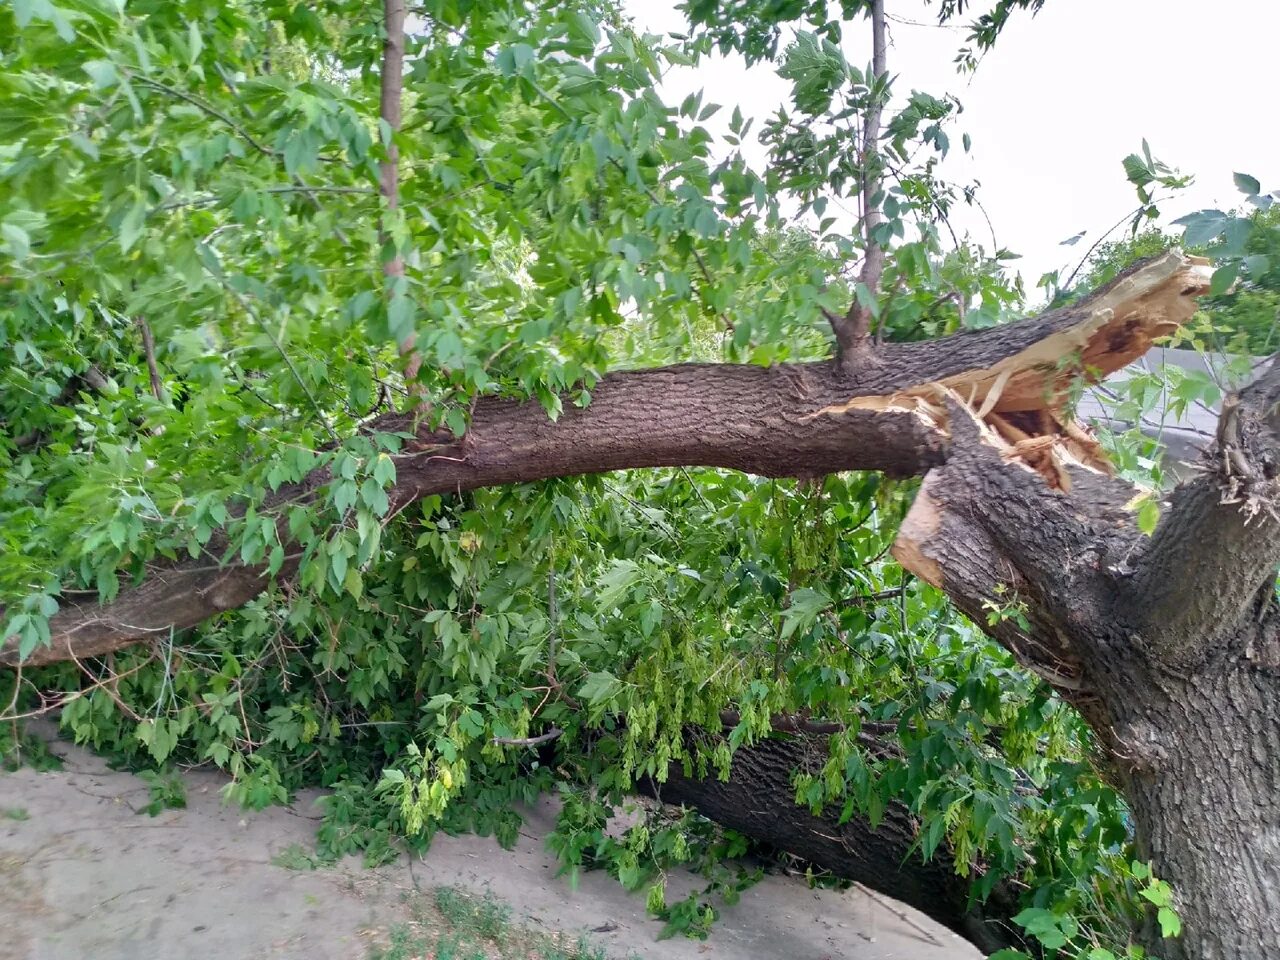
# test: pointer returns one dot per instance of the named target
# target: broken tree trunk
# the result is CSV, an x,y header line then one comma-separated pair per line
x,y
1169,646
758,800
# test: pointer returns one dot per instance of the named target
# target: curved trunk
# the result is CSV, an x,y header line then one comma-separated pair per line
x,y
758,801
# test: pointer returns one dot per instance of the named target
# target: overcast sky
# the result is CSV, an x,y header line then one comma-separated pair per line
x,y
1061,100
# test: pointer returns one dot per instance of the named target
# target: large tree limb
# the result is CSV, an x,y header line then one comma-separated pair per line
x,y
758,800
798,420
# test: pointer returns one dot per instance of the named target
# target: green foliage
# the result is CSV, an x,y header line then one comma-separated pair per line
x,y
296,857
165,789
457,925
206,175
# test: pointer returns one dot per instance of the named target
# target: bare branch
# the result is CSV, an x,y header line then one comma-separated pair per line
x,y
555,733
149,349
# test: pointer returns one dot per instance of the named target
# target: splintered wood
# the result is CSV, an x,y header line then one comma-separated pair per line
x,y
1022,401
1021,404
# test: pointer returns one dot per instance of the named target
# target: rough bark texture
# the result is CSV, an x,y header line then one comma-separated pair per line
x,y
758,801
1168,645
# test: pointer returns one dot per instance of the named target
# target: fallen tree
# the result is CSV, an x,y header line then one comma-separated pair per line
x,y
1167,645
546,192
885,413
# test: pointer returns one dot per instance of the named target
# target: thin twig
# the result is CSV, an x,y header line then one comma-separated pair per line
x,y
858,601
315,404
50,705
898,912
207,108
149,348
554,733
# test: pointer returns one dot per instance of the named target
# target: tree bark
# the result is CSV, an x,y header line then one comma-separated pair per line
x,y
758,801
390,112
1169,646
854,328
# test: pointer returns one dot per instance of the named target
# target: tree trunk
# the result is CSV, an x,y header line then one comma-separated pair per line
x,y
1169,646
1203,782
758,801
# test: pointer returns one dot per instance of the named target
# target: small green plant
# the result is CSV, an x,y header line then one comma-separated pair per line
x,y
16,813
1006,608
19,748
456,925
166,790
1064,933
485,917
295,857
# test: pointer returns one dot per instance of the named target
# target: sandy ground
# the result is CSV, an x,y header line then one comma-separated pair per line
x,y
85,877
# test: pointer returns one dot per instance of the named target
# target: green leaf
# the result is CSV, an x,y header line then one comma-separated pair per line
x,y
1223,278
194,41
1136,170
1247,185
16,240
102,73
514,59
131,226
1148,516
620,577
1257,264
1170,922
1203,227
599,687
800,614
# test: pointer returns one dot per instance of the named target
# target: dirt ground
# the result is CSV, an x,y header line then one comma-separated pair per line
x,y
84,876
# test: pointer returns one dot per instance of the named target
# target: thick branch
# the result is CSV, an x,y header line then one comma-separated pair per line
x,y
759,801
1219,540
800,420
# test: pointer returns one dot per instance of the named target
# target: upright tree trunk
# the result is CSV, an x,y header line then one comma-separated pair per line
x,y
1169,645
1200,765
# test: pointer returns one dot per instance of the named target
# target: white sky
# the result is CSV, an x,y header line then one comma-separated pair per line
x,y
1059,102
